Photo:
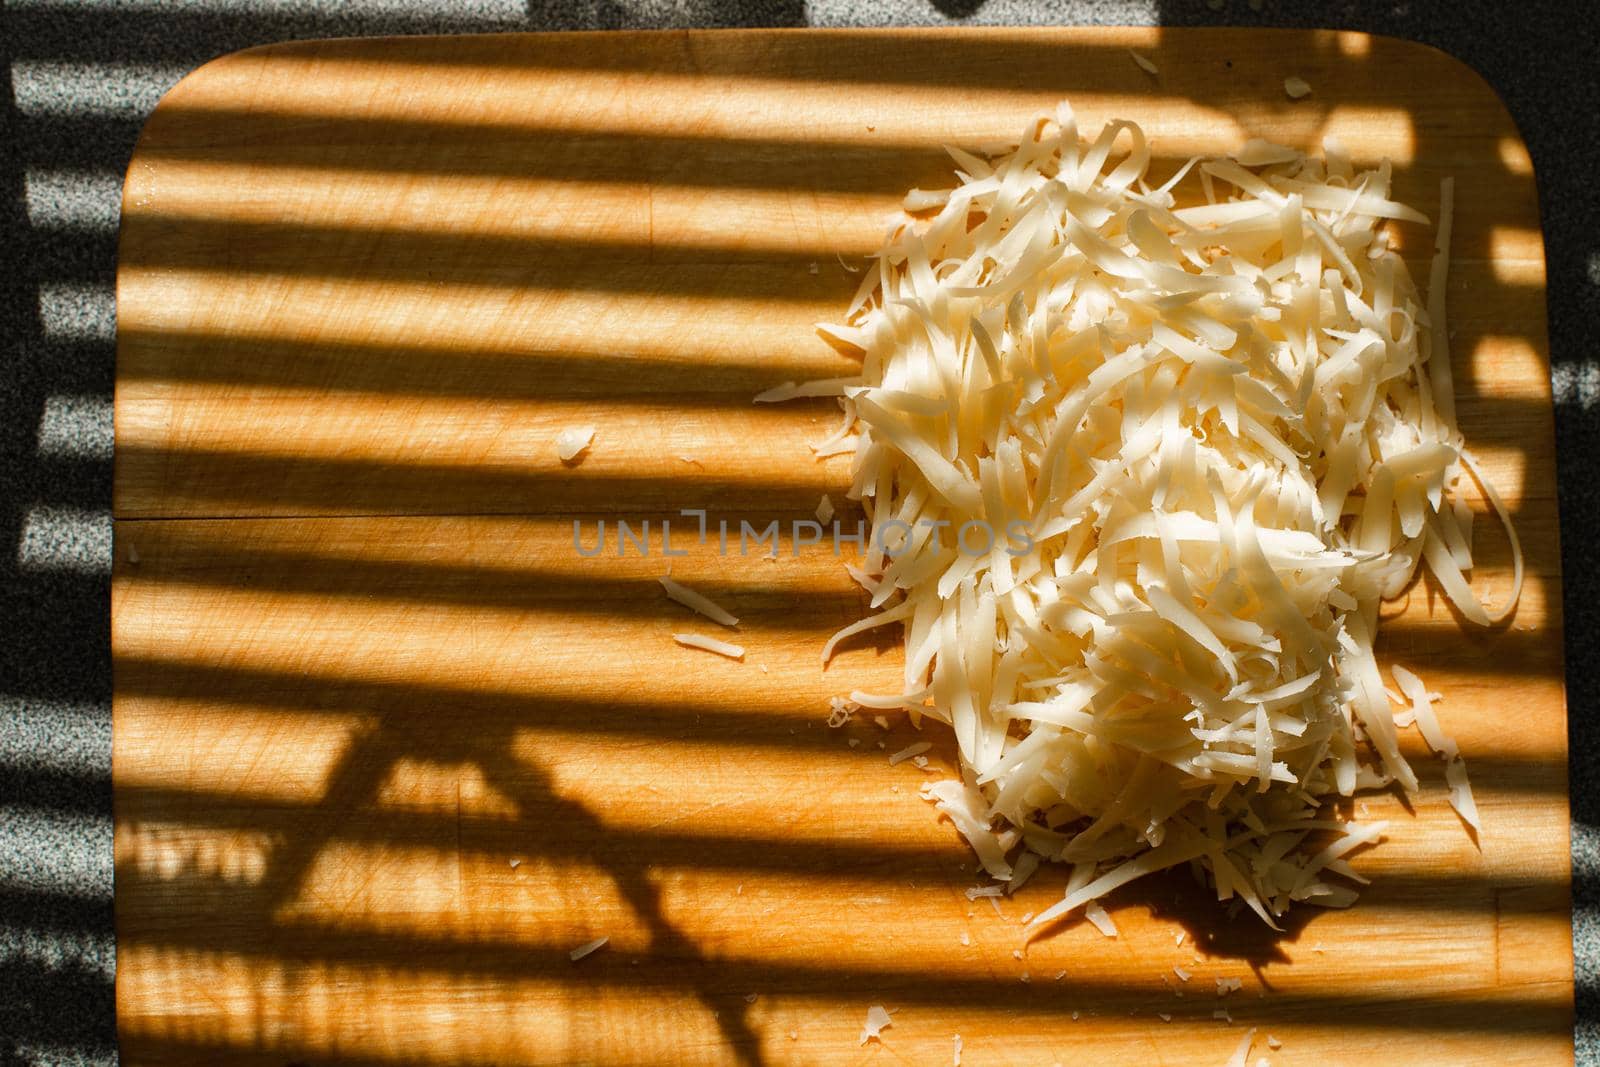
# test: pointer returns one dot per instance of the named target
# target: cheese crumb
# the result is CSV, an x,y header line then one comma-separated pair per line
x,y
1102,922
877,1020
573,442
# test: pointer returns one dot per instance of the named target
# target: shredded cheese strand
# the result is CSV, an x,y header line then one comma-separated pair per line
x,y
697,602
710,644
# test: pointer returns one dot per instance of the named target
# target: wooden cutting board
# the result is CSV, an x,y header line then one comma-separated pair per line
x,y
387,746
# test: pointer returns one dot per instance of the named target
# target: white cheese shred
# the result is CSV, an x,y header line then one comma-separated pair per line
x,y
697,602
1141,459
588,948
710,644
909,752
1241,1055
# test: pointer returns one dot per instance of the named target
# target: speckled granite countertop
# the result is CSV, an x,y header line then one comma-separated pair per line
x,y
83,76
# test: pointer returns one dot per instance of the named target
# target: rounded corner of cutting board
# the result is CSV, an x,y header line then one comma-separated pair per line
x,y
1452,69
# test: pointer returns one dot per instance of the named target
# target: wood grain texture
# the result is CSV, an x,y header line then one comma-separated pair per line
x,y
387,746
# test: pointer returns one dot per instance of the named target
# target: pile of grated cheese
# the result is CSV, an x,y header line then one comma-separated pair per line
x,y
1138,476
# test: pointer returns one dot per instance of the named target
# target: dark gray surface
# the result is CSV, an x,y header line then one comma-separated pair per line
x,y
83,75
